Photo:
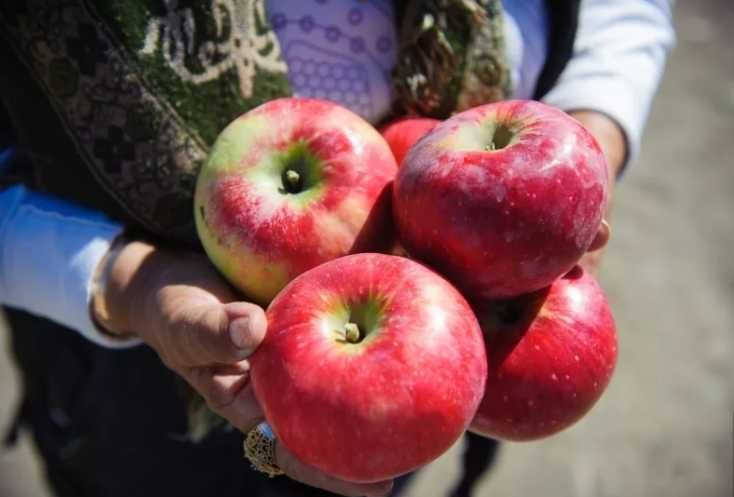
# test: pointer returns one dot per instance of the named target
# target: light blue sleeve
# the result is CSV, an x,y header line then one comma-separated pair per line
x,y
49,250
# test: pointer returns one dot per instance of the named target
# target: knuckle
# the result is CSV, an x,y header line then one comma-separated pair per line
x,y
218,399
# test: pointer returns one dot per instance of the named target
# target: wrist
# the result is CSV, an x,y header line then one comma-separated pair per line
x,y
610,137
119,282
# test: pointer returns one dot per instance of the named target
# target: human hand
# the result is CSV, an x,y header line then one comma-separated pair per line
x,y
591,260
179,305
612,141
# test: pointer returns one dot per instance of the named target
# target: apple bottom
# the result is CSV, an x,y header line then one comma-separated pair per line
x,y
372,366
551,356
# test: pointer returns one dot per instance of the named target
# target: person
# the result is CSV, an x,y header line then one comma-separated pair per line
x,y
111,107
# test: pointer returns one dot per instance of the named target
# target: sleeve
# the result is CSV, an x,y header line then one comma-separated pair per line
x,y
49,251
618,60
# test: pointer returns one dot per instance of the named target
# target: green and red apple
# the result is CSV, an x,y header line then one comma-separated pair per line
x,y
287,186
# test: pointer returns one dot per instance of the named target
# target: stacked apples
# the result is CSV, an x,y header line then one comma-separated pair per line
x,y
374,364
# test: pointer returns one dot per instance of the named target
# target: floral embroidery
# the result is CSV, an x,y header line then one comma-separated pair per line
x,y
242,49
142,136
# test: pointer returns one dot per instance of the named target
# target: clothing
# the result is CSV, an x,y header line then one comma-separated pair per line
x,y
344,52
50,250
309,53
617,63
124,118
319,55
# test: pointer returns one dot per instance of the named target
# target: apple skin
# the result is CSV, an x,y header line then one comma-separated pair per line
x,y
373,410
404,133
501,223
551,355
259,234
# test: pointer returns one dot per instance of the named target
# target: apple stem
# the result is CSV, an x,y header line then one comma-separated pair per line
x,y
293,180
351,332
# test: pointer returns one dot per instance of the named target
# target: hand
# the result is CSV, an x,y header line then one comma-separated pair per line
x,y
591,260
180,306
614,145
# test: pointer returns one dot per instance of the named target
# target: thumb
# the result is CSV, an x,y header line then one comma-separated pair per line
x,y
247,325
216,333
602,236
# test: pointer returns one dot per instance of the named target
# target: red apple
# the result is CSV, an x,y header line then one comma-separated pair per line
x,y
551,355
502,199
404,133
289,185
372,366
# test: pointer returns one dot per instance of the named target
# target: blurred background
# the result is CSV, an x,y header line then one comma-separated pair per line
x,y
665,425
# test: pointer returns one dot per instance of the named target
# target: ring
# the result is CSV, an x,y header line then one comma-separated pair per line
x,y
260,450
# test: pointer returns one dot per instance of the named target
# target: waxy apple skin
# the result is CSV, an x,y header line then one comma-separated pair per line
x,y
259,232
372,410
551,354
504,222
404,133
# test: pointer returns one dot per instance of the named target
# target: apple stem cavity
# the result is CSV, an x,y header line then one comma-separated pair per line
x,y
501,137
292,181
351,333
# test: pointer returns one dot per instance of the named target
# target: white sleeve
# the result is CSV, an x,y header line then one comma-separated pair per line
x,y
49,250
618,60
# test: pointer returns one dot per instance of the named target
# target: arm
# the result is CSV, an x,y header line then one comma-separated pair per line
x,y
49,251
610,81
611,139
178,304
175,302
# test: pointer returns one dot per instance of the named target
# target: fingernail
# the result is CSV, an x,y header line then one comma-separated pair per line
x,y
239,332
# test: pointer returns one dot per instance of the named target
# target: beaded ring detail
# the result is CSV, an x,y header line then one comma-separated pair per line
x,y
260,450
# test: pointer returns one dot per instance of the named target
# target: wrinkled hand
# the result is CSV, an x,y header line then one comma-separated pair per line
x,y
180,306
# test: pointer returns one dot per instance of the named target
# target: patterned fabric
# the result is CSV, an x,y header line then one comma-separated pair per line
x,y
143,88
343,51
451,57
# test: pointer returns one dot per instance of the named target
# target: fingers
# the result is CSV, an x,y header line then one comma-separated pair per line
x,y
312,477
602,236
247,325
227,392
214,333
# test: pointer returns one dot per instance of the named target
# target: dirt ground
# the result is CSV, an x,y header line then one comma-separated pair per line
x,y
664,426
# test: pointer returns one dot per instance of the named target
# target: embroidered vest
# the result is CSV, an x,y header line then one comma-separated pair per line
x,y
128,96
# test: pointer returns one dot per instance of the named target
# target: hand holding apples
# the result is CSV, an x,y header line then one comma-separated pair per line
x,y
178,304
373,365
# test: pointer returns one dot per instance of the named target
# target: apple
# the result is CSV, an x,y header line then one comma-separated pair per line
x,y
372,366
404,133
501,199
287,186
551,354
